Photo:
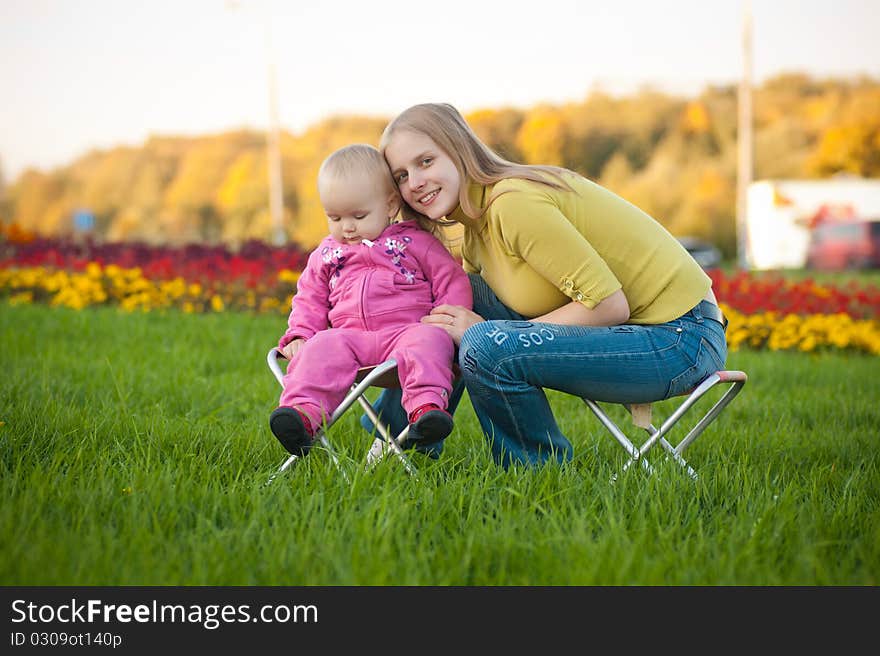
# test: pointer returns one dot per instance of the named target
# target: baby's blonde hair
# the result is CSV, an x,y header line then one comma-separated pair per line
x,y
473,159
364,159
357,159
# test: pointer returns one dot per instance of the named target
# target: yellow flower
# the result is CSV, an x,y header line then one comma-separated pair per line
x,y
286,275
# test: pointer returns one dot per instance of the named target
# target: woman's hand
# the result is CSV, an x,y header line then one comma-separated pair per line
x,y
454,319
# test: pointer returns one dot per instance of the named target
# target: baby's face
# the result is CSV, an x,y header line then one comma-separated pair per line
x,y
357,208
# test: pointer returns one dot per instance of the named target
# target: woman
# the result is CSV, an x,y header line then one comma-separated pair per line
x,y
575,289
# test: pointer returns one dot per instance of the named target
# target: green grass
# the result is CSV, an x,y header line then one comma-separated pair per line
x,y
135,451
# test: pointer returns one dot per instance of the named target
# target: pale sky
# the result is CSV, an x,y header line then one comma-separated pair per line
x,y
83,74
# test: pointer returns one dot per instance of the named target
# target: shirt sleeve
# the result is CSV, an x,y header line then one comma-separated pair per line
x,y
533,228
310,305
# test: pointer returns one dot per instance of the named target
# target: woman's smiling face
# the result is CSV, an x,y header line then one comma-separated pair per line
x,y
424,173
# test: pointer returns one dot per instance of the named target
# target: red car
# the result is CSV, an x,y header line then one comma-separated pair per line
x,y
838,245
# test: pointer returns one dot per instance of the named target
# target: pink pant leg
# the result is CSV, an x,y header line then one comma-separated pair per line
x,y
321,374
424,364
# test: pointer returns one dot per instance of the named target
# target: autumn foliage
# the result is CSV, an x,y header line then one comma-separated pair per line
x,y
765,310
673,157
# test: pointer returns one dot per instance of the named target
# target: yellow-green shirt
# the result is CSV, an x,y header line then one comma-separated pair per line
x,y
539,248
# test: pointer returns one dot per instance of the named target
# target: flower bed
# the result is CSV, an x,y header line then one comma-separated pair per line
x,y
194,278
765,311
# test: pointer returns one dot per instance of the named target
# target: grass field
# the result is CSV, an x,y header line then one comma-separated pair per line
x,y
134,450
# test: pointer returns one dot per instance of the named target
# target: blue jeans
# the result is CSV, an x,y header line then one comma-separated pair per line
x,y
507,361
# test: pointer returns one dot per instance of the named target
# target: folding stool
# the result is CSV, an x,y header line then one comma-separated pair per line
x,y
381,375
736,380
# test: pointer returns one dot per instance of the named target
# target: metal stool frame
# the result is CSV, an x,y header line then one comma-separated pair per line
x,y
736,380
385,375
381,375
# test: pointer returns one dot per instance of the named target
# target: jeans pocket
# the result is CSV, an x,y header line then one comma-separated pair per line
x,y
689,378
713,358
706,361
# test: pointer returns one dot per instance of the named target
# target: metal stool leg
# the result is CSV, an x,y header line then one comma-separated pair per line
x,y
736,379
369,378
380,447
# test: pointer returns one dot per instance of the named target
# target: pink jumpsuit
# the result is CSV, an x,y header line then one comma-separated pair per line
x,y
358,305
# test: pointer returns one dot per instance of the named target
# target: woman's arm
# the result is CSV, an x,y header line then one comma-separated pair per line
x,y
610,311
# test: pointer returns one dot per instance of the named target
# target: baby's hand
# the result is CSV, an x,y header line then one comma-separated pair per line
x,y
292,348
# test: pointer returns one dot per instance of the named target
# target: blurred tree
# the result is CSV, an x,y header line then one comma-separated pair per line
x,y
144,201
241,197
707,211
602,126
617,173
32,197
848,148
129,224
695,119
102,181
498,128
674,157
780,149
851,145
541,136
192,193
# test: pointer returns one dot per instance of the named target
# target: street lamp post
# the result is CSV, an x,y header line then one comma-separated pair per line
x,y
273,143
744,141
278,236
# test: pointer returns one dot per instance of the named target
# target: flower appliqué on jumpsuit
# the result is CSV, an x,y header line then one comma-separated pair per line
x,y
335,259
396,250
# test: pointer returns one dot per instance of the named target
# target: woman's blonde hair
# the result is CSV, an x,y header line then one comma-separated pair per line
x,y
473,159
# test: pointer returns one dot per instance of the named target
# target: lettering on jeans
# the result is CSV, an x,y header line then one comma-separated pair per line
x,y
497,336
527,340
536,338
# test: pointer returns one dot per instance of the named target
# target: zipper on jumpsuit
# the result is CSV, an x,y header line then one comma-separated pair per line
x,y
364,286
